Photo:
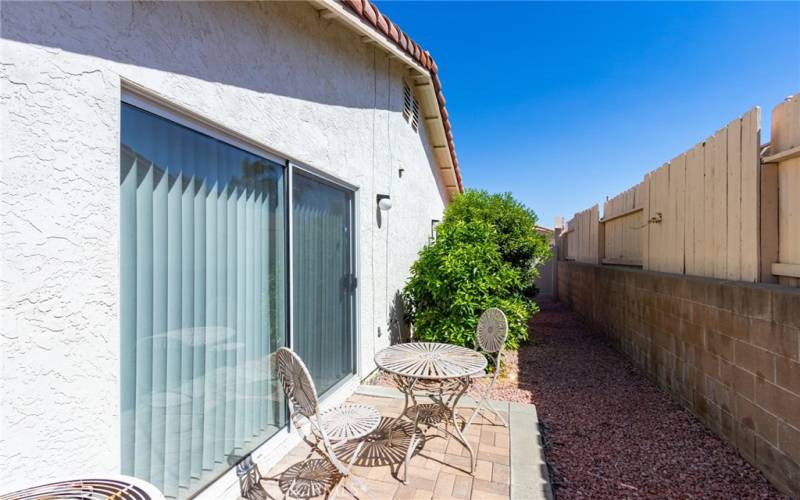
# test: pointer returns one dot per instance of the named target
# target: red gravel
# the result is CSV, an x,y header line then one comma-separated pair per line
x,y
610,432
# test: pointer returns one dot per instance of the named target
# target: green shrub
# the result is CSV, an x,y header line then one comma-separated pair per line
x,y
484,256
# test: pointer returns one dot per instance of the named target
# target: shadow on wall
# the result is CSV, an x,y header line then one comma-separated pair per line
x,y
399,328
260,46
270,48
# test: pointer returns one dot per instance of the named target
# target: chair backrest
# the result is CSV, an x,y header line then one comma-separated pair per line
x,y
101,487
492,330
297,382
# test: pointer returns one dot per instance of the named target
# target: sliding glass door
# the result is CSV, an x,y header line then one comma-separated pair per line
x,y
203,301
323,278
204,287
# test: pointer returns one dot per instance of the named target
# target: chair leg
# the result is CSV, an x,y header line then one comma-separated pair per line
x,y
484,402
496,413
475,412
483,405
355,483
288,493
347,477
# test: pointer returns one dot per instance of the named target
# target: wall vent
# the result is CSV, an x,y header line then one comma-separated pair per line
x,y
410,108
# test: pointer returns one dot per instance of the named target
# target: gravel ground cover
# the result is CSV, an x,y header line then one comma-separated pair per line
x,y
609,431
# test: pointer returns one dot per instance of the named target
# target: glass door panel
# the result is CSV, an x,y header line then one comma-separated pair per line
x,y
202,289
323,279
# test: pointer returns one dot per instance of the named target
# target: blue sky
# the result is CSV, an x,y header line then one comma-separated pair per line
x,y
563,104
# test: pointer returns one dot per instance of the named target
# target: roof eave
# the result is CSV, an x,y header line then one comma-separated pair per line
x,y
358,15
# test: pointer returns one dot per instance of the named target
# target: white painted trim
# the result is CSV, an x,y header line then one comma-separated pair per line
x,y
359,284
290,256
159,105
360,26
323,175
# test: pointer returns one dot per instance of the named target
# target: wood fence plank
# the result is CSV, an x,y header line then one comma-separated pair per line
x,y
769,222
637,223
645,229
661,230
595,231
785,125
687,214
750,184
789,207
694,171
734,201
655,230
669,222
707,215
677,184
652,235
720,227
786,137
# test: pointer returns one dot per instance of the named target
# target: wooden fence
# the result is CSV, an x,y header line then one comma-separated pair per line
x,y
623,225
720,209
781,195
703,207
582,236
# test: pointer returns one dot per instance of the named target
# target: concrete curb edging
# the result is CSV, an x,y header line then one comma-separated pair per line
x,y
530,478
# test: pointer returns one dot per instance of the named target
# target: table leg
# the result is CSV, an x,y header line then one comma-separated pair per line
x,y
407,389
448,405
412,444
451,414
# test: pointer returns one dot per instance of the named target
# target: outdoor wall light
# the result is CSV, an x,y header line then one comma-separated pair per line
x,y
384,202
434,223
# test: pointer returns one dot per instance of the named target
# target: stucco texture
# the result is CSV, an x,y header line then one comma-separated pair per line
x,y
274,72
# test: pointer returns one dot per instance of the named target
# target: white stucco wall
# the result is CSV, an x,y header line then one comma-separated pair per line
x,y
275,73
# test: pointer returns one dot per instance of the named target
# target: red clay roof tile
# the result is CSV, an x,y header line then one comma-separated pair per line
x,y
365,10
383,26
370,13
394,32
403,41
356,5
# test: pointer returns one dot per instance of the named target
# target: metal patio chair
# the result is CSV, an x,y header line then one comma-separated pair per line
x,y
99,487
330,428
490,340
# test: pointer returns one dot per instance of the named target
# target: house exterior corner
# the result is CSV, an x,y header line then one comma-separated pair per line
x,y
315,114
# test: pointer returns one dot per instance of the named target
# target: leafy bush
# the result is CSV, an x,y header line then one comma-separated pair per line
x,y
484,256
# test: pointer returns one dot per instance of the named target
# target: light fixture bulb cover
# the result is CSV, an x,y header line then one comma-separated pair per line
x,y
384,202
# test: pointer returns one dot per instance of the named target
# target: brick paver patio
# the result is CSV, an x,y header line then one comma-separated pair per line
x,y
439,469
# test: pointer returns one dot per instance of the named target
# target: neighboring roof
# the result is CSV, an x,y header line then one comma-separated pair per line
x,y
380,23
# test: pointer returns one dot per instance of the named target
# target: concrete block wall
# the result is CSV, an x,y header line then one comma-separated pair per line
x,y
727,351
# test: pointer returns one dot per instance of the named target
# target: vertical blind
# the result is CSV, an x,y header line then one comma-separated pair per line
x,y
203,288
323,279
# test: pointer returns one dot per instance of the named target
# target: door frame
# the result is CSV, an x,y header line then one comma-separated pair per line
x,y
355,257
268,452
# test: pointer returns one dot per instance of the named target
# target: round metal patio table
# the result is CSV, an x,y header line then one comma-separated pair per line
x,y
443,373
